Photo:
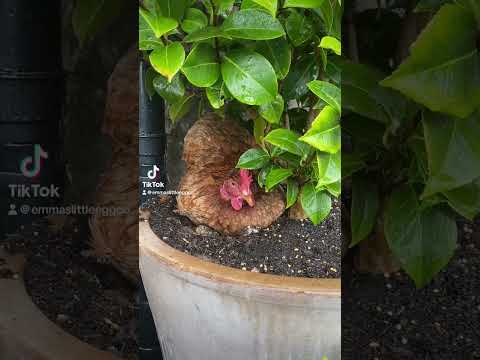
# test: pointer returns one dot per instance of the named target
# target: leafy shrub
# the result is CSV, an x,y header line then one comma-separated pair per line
x,y
264,60
414,136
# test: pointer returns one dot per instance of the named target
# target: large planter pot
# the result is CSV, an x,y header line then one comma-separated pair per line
x,y
26,333
204,311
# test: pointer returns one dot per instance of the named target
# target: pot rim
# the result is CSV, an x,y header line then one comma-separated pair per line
x,y
179,261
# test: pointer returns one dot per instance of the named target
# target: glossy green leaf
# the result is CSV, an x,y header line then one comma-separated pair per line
x,y
272,112
180,108
252,24
422,239
299,27
351,163
316,204
466,199
364,209
253,159
279,53
249,77
223,6
159,24
262,175
331,43
359,89
292,192
205,33
215,95
173,8
443,70
308,4
91,16
328,92
286,140
453,151
331,14
170,91
276,176
302,72
201,67
334,188
325,134
146,37
268,5
194,20
329,168
259,127
168,60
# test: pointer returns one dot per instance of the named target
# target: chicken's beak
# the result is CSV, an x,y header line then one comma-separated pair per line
x,y
250,200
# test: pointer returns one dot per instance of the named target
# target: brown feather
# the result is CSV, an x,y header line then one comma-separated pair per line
x,y
211,151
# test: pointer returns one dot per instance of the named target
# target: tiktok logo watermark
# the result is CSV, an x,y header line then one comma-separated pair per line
x,y
152,174
31,165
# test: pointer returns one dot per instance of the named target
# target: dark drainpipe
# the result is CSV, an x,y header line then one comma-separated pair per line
x,y
31,97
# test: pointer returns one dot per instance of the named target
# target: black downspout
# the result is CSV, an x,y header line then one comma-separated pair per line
x,y
151,162
31,98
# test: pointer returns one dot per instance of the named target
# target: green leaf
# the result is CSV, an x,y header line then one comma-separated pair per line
x,y
308,4
292,192
194,20
359,89
215,94
91,16
201,67
430,5
253,159
299,27
328,92
286,140
279,53
325,134
259,129
443,70
209,7
159,24
180,108
249,77
252,24
422,239
334,188
329,168
205,33
316,204
276,176
331,43
351,163
146,37
269,5
262,175
303,71
168,60
170,91
364,208
331,14
272,112
466,199
453,151
173,8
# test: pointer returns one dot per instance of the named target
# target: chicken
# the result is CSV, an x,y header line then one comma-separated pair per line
x,y
212,192
115,238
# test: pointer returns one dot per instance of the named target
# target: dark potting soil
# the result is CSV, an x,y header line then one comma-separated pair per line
x,y
388,318
88,299
288,247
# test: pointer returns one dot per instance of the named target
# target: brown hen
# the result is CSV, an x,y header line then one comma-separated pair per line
x,y
211,151
115,238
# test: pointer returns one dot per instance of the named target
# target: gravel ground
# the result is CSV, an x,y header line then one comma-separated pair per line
x,y
288,247
385,317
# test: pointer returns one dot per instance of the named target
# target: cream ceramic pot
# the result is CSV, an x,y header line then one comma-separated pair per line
x,y
205,311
